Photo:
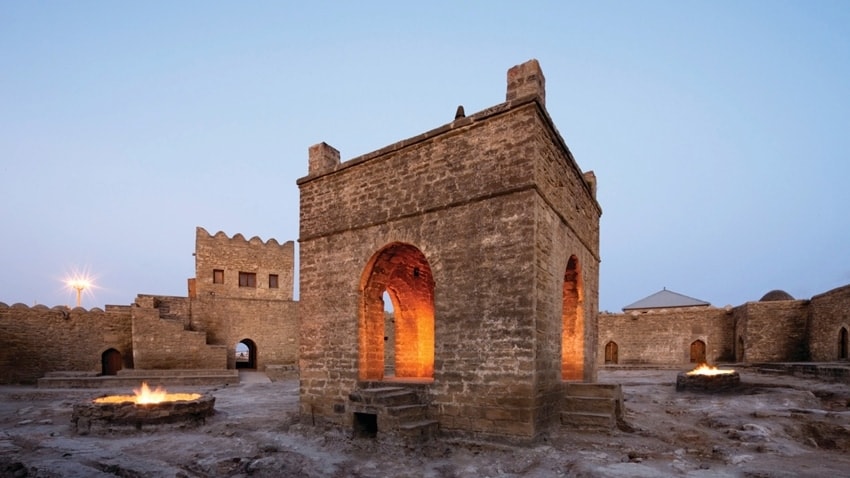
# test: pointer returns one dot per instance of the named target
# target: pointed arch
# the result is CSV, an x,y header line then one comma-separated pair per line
x,y
572,332
698,351
612,353
401,272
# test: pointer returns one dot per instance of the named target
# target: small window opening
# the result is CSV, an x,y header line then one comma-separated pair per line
x,y
273,281
365,425
247,279
218,276
415,272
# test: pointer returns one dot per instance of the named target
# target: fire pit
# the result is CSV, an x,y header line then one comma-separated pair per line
x,y
145,409
706,378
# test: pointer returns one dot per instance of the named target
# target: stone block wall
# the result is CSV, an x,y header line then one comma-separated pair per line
x,y
664,337
271,324
775,331
37,340
164,343
235,255
475,198
830,312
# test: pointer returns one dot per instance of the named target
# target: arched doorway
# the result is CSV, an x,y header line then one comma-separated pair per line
x,y
611,353
698,351
842,344
111,362
401,273
246,354
572,332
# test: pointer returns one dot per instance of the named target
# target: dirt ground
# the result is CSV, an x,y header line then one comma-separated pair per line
x,y
773,426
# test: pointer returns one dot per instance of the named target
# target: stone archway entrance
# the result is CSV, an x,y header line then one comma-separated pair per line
x,y
111,362
842,344
400,272
698,351
612,353
572,332
246,354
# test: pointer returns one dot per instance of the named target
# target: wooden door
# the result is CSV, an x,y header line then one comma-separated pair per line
x,y
611,353
111,362
698,352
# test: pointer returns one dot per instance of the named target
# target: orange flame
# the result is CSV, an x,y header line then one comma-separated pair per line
x,y
145,395
706,369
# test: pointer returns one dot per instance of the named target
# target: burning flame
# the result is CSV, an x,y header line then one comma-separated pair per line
x,y
706,369
144,395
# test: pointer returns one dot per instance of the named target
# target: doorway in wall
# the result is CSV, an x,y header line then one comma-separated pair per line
x,y
842,344
110,362
611,353
698,351
246,354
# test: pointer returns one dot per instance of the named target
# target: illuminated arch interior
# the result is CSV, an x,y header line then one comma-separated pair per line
x,y
401,273
572,334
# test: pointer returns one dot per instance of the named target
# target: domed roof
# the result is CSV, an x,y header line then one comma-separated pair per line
x,y
776,295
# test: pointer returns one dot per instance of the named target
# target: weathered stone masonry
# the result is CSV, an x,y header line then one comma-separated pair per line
x,y
769,330
470,228
200,331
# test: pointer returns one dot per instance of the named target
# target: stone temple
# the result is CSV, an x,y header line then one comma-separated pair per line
x,y
484,234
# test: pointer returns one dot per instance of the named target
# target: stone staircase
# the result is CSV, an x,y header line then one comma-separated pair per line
x,y
385,411
592,406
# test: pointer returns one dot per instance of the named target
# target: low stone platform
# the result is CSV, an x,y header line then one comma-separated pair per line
x,y
829,371
129,378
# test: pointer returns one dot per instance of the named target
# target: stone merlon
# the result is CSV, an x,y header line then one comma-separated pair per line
x,y
323,157
526,79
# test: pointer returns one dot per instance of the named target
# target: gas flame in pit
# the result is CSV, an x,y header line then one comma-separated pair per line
x,y
145,395
706,369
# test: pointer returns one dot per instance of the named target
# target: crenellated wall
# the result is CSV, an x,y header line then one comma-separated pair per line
x,y
200,331
235,255
38,340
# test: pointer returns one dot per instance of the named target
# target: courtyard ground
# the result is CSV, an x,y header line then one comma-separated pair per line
x,y
772,426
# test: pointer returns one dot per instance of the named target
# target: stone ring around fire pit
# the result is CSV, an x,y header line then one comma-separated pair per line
x,y
707,379
114,413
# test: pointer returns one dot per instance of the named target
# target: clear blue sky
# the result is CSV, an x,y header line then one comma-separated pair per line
x,y
719,131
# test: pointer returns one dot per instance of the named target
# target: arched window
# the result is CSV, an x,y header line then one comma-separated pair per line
x,y
572,332
401,273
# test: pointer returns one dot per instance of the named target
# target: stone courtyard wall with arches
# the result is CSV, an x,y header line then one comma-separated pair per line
x,y
787,330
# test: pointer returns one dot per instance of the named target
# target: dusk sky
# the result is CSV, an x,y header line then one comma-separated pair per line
x,y
719,131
